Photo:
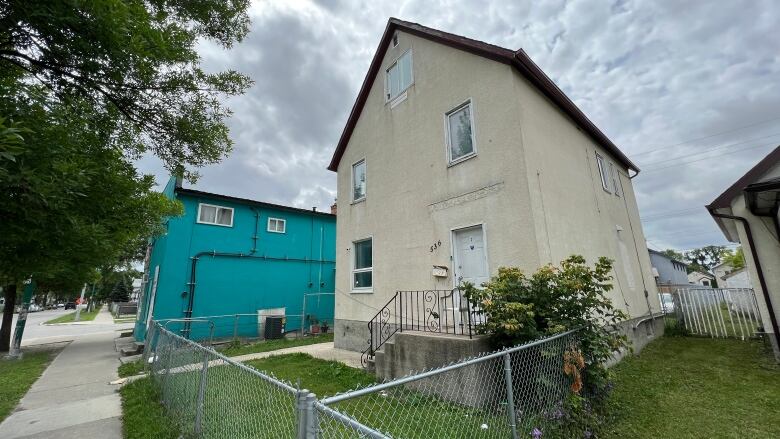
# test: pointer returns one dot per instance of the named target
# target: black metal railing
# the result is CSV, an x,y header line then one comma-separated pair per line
x,y
437,311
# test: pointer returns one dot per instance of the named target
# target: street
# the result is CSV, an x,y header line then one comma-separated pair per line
x,y
35,332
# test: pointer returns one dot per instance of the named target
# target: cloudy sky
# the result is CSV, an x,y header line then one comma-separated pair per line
x,y
691,93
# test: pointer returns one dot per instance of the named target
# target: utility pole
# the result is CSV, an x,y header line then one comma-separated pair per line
x,y
16,343
91,305
78,305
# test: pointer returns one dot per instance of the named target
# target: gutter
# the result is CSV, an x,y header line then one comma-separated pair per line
x,y
759,270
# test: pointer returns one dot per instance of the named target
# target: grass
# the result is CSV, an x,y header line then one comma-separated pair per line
x,y
16,377
142,415
131,368
235,349
694,388
319,376
68,318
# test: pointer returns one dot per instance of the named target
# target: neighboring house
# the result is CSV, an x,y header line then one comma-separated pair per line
x,y
229,255
460,157
747,213
739,278
699,278
721,270
668,271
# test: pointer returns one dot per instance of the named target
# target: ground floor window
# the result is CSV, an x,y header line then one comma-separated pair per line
x,y
362,272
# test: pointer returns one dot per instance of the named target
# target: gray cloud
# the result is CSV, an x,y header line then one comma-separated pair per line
x,y
650,74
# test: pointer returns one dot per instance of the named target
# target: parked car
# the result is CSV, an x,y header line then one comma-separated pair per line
x,y
60,305
667,302
70,305
34,307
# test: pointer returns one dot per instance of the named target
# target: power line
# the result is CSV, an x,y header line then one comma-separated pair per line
x,y
706,137
708,158
710,150
672,214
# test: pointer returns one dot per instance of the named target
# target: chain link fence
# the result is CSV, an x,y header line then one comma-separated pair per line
x,y
509,393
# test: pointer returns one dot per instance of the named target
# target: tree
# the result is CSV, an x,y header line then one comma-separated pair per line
x,y
71,200
673,254
121,291
735,258
134,62
704,258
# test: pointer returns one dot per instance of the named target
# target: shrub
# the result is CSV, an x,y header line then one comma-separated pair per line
x,y
520,308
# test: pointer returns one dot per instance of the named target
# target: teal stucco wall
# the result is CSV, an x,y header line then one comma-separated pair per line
x,y
273,271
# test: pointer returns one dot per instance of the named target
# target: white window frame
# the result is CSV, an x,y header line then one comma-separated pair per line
x,y
278,220
467,103
615,178
388,97
216,214
354,270
352,182
602,165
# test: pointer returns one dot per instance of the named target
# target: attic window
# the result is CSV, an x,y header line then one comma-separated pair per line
x,y
395,40
399,76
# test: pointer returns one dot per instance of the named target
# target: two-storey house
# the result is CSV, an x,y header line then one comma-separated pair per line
x,y
460,157
239,259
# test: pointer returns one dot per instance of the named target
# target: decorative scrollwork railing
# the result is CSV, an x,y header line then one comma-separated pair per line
x,y
437,311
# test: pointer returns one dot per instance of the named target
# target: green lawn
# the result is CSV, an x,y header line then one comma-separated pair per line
x,y
697,388
142,414
233,350
68,318
16,377
131,368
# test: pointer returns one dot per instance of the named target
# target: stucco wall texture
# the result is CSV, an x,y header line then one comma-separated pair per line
x,y
533,185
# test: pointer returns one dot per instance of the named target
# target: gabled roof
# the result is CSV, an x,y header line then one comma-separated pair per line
x,y
518,59
663,255
724,199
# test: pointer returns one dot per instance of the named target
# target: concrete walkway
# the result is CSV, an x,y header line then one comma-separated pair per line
x,y
324,351
73,397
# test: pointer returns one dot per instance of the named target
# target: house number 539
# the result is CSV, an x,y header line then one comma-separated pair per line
x,y
435,245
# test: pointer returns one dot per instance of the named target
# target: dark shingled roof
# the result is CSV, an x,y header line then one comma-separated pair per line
x,y
724,199
518,59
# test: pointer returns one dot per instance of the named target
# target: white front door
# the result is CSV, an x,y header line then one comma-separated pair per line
x,y
469,256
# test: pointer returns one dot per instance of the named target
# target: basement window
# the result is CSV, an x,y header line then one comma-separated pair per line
x,y
215,215
277,225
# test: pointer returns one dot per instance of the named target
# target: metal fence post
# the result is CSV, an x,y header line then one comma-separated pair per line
x,y
302,412
312,421
235,328
199,408
510,398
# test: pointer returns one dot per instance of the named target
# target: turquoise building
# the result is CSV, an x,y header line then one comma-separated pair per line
x,y
240,259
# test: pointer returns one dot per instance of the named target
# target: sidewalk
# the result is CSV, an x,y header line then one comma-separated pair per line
x,y
73,397
323,351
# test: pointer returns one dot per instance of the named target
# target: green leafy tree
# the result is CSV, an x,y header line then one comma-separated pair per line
x,y
133,62
704,258
674,254
71,200
735,258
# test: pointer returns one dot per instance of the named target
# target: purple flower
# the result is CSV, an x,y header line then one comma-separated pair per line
x,y
588,434
536,433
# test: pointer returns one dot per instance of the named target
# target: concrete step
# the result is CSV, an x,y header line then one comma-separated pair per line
x,y
134,348
130,358
125,334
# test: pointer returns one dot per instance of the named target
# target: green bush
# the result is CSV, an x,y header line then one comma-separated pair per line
x,y
552,300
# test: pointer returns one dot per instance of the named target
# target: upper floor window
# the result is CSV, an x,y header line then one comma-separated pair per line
x,y
362,268
216,215
615,178
277,225
359,180
399,76
603,172
460,135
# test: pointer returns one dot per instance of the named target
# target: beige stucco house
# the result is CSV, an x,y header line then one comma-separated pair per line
x,y
747,213
460,157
